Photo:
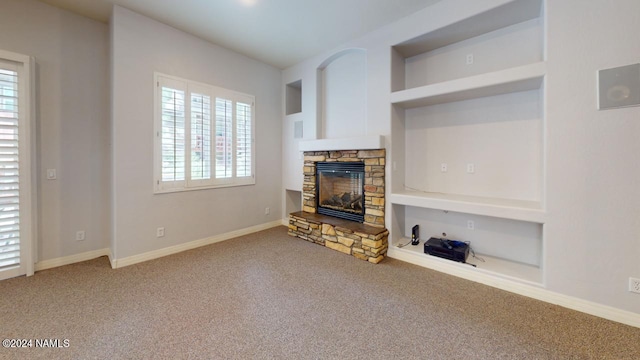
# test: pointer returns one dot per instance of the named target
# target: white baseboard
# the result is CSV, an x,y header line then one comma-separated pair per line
x,y
112,260
66,260
155,254
528,290
285,221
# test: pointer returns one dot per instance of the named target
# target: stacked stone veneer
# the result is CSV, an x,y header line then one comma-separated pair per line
x,y
374,161
368,241
362,241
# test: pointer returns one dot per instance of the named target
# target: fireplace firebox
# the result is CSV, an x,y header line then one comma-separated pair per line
x,y
339,189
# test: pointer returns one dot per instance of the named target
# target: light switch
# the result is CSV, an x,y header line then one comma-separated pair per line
x,y
471,168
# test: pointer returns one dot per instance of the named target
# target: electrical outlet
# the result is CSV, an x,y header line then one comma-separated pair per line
x,y
267,211
471,225
471,168
634,285
160,232
80,235
469,59
443,167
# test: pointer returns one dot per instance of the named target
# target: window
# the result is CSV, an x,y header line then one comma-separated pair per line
x,y
204,136
16,217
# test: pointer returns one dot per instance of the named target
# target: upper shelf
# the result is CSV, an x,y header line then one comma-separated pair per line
x,y
521,78
499,17
503,208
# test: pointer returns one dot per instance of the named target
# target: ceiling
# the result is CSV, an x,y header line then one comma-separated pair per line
x,y
277,32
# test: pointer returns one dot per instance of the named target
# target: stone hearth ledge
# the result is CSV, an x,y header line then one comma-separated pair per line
x,y
362,241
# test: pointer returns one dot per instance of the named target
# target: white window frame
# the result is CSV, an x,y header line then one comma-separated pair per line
x,y
213,92
25,66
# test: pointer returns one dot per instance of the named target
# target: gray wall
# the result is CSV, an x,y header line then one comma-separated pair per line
x,y
141,46
75,131
72,96
593,197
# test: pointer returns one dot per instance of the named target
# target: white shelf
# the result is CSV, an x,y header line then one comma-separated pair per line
x,y
491,267
521,78
503,208
295,116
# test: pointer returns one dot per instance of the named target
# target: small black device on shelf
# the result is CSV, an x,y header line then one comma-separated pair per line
x,y
415,235
448,249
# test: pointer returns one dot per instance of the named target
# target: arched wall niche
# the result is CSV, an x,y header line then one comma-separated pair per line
x,y
342,94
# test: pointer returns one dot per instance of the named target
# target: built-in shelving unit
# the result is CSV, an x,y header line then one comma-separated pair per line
x,y
467,141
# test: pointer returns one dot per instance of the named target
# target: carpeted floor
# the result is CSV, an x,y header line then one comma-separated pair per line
x,y
271,296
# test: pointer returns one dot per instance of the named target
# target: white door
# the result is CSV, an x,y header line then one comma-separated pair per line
x,y
15,167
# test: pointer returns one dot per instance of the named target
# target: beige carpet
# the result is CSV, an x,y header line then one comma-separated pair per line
x,y
270,296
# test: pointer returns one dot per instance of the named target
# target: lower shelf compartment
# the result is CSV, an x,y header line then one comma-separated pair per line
x,y
491,267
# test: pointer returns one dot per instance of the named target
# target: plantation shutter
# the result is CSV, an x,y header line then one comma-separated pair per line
x,y
243,140
200,137
9,179
172,133
224,138
204,136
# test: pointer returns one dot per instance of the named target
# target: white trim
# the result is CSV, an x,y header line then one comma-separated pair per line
x,y
155,254
71,259
353,143
32,168
27,160
525,289
112,260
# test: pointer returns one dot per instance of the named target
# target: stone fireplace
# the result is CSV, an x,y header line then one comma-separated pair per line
x,y
374,162
364,237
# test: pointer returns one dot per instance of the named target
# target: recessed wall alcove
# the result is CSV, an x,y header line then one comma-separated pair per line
x,y
293,98
342,94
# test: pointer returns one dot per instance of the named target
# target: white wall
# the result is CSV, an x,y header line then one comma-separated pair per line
x,y
523,41
501,135
141,46
72,113
591,238
343,94
593,196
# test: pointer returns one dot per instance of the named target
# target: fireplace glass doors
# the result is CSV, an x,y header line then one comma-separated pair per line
x,y
339,189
